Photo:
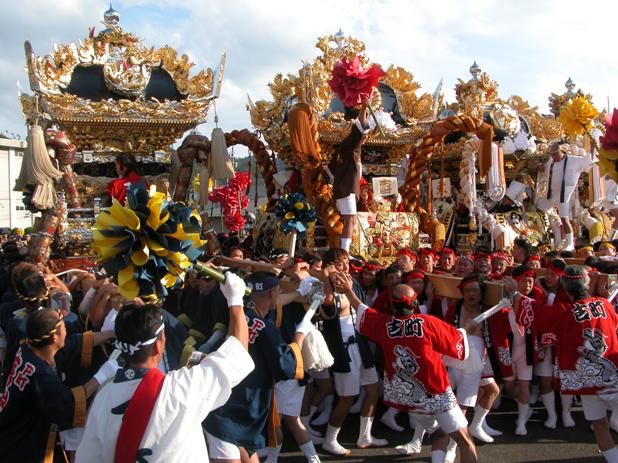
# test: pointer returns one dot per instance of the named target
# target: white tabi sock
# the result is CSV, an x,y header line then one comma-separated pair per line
x,y
365,439
273,454
476,426
327,405
364,434
330,443
549,401
388,419
417,438
345,243
308,450
437,456
611,455
523,414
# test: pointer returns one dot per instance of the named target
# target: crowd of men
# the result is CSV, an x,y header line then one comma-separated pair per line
x,y
212,372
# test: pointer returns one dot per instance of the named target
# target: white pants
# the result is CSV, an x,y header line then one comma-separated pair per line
x,y
220,449
466,386
546,367
348,384
347,205
595,406
521,370
451,420
289,396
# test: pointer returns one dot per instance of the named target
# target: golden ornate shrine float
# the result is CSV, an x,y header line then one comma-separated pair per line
x,y
469,172
456,174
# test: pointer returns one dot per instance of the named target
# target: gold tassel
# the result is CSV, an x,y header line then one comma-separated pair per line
x,y
204,183
221,163
37,170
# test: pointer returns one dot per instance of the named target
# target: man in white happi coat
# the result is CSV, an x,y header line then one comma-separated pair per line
x,y
563,171
168,408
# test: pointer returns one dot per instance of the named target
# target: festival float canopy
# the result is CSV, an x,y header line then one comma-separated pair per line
x,y
109,90
433,132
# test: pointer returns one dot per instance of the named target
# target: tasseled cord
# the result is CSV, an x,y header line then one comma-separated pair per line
x,y
219,160
37,170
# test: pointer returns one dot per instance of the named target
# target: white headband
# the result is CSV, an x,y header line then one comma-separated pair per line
x,y
132,348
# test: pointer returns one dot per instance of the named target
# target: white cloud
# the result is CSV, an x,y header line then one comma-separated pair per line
x,y
529,47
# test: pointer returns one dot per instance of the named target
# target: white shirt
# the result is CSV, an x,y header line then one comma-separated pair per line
x,y
574,168
174,432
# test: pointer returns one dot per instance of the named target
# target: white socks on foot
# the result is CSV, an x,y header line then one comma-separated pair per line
x,y
273,454
365,439
327,405
549,401
451,452
611,455
308,450
476,426
415,445
523,415
330,443
388,419
438,456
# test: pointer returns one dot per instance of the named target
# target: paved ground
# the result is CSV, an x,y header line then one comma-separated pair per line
x,y
574,445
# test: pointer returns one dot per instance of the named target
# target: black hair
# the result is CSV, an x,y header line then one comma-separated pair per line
x,y
520,270
334,255
393,268
559,264
311,257
127,161
41,325
228,252
552,254
136,323
567,254
29,285
525,245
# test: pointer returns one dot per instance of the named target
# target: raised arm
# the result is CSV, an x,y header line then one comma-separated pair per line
x,y
234,289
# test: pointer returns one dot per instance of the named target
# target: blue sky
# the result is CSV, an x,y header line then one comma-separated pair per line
x,y
529,47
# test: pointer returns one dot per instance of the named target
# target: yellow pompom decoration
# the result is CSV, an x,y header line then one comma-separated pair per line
x,y
577,116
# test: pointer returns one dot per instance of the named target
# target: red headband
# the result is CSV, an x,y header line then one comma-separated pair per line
x,y
407,299
527,273
499,255
557,270
448,251
426,251
574,277
407,252
467,256
356,267
373,267
533,258
415,275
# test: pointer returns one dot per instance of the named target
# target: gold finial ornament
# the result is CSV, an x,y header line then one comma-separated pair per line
x,y
152,113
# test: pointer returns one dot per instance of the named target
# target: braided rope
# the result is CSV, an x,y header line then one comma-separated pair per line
x,y
34,298
54,330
